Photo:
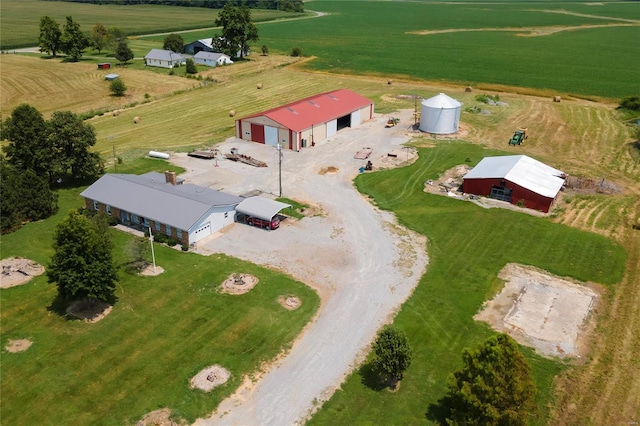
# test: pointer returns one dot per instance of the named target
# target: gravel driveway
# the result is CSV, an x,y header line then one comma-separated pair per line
x,y
363,265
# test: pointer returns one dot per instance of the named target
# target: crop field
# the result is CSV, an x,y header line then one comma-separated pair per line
x,y
20,19
595,51
141,357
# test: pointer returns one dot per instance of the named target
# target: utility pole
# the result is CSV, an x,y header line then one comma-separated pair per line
x,y
280,167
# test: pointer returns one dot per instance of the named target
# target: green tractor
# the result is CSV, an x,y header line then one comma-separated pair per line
x,y
518,136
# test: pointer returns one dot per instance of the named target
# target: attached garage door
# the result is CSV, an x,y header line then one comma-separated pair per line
x,y
332,128
271,135
202,232
257,133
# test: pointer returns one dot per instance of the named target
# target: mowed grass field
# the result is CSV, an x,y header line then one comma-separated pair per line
x,y
162,331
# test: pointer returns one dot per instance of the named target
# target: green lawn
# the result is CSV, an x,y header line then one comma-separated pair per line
x,y
467,247
141,357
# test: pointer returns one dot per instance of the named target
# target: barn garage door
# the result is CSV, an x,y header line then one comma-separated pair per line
x,y
332,128
271,135
257,133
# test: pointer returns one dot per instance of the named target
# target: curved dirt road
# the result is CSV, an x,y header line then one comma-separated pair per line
x,y
361,262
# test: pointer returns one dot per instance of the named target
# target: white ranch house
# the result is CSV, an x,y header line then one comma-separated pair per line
x,y
211,59
164,59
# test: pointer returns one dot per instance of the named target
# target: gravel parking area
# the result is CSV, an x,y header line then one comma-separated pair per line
x,y
361,262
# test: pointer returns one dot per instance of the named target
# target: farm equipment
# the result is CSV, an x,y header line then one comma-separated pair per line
x,y
518,136
392,122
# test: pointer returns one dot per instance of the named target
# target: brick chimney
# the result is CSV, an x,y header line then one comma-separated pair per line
x,y
170,177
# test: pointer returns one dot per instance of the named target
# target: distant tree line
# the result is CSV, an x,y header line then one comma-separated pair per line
x,y
40,155
283,5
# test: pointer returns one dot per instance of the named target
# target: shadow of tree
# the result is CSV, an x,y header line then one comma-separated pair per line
x,y
370,377
439,411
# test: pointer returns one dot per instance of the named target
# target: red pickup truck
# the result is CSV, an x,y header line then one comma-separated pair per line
x,y
274,223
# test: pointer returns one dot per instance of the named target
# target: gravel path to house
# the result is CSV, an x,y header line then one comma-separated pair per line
x,y
361,262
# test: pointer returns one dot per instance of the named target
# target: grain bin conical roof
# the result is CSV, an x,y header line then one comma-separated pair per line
x,y
441,101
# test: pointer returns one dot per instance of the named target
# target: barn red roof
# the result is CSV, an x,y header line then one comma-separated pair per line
x,y
314,110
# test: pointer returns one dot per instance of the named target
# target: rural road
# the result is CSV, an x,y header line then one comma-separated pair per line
x,y
363,265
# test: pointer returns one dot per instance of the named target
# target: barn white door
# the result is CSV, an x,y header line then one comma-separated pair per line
x,y
271,135
355,118
332,128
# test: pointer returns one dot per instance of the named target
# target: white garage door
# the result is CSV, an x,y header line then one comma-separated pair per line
x,y
203,231
355,118
271,135
332,128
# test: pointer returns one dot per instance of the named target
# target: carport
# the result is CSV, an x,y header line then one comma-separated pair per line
x,y
260,207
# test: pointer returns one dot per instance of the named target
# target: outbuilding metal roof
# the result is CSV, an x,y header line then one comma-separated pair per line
x,y
212,56
521,170
149,196
260,207
303,114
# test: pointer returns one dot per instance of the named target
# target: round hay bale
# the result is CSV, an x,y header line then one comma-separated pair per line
x,y
468,89
389,81
232,113
556,99
259,86
136,120
116,113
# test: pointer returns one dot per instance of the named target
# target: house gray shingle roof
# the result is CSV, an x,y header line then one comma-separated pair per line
x,y
164,55
149,196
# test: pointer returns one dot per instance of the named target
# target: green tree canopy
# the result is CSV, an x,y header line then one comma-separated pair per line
x,y
117,87
73,40
191,67
82,266
114,36
123,53
173,42
237,30
25,197
99,37
27,133
494,386
392,354
50,35
72,140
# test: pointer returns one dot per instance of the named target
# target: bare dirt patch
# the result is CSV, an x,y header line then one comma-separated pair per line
x,y
17,271
210,377
151,271
587,185
89,311
330,169
395,158
160,417
289,302
525,31
542,311
238,284
19,345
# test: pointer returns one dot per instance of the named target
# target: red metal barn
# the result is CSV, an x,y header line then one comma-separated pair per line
x,y
307,121
517,179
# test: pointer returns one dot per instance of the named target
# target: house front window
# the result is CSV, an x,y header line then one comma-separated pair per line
x,y
109,210
168,231
95,205
179,233
157,226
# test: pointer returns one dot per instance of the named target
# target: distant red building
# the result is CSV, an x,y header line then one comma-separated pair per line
x,y
307,121
517,179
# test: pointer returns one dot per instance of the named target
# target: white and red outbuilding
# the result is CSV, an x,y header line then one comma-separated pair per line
x,y
517,179
307,121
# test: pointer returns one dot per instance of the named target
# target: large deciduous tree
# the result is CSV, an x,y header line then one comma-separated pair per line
x,y
73,40
494,386
50,35
25,197
72,139
114,36
82,266
237,30
99,37
392,354
173,42
123,53
27,133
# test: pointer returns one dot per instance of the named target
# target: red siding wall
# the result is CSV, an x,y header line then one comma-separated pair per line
x,y
531,199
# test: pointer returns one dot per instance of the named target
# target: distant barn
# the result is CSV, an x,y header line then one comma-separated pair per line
x,y
517,179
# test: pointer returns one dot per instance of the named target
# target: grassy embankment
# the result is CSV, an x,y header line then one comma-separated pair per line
x,y
467,247
141,357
